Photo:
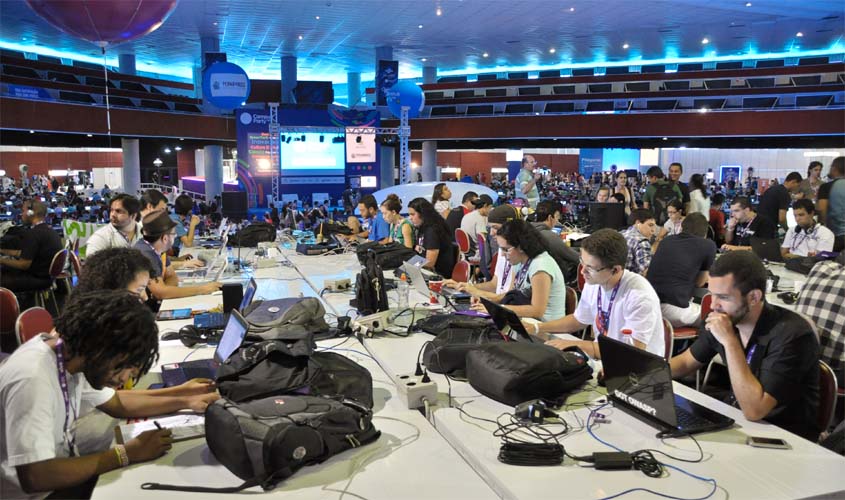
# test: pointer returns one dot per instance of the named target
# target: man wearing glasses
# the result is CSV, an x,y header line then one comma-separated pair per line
x,y
526,182
613,300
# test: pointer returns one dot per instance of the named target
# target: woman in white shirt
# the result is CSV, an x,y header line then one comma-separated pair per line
x,y
440,199
675,211
698,200
622,188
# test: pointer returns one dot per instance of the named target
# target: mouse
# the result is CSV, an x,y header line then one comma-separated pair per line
x,y
218,292
273,309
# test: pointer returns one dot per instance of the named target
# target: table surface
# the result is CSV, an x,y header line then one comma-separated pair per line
x,y
455,455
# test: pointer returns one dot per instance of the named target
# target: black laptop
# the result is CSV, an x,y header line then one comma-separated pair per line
x,y
507,322
640,384
217,320
233,337
768,249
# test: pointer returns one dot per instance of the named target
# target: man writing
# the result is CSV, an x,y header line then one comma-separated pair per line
x,y
123,231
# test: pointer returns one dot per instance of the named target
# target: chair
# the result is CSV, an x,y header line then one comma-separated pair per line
x,y
581,279
828,389
9,310
668,339
76,267
31,322
57,269
460,272
691,332
493,261
462,240
483,257
571,300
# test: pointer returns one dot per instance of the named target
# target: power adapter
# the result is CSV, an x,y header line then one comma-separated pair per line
x,y
612,460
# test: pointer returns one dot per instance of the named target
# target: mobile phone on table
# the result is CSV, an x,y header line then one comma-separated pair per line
x,y
765,442
172,314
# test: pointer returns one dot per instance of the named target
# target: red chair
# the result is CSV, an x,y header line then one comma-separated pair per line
x,y
9,310
462,240
32,322
493,261
57,270
461,271
581,280
76,267
668,339
691,332
827,395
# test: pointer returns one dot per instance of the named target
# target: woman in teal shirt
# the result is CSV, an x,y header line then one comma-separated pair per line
x,y
401,229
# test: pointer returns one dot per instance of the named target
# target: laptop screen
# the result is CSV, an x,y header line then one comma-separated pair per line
x,y
232,338
249,293
507,321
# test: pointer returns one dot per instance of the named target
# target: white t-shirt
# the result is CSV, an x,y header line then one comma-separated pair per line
x,y
698,203
32,411
556,307
672,227
636,307
442,205
474,223
819,239
504,274
109,237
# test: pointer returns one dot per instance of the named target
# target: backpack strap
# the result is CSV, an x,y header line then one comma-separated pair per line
x,y
201,489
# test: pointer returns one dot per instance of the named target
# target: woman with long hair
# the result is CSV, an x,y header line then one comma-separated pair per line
x,y
675,211
440,199
623,188
433,239
401,230
699,202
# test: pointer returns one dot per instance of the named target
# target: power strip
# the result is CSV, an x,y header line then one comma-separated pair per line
x,y
265,262
371,324
337,285
413,391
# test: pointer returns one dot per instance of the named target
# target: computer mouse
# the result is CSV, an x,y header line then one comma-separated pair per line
x,y
218,292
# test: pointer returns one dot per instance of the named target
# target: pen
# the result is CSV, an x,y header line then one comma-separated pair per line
x,y
157,425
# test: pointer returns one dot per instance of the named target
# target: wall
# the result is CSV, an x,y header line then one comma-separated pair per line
x,y
41,162
473,162
767,163
186,163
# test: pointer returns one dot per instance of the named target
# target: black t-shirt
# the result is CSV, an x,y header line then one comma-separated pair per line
x,y
784,357
675,265
760,227
774,199
431,239
684,191
40,244
454,219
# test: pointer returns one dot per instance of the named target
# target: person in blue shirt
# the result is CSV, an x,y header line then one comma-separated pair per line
x,y
374,227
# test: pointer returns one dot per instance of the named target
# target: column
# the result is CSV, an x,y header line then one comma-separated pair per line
x,y
213,165
353,88
131,174
126,64
387,164
429,161
429,74
288,78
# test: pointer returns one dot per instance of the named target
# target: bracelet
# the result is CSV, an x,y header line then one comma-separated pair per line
x,y
122,456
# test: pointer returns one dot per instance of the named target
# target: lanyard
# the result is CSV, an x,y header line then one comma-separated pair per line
x,y
522,274
60,364
808,234
750,354
745,228
603,318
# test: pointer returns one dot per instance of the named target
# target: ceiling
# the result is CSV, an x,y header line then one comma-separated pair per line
x,y
514,34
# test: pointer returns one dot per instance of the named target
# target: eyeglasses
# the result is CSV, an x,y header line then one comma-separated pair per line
x,y
590,269
506,249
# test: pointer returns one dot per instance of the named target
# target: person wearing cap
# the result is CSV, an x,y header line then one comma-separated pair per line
x,y
475,222
159,232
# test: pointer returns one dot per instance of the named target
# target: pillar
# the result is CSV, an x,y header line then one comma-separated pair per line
x,y
353,88
131,174
126,64
213,165
288,78
429,74
429,161
387,164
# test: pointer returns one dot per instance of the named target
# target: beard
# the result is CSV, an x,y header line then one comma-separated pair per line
x,y
740,313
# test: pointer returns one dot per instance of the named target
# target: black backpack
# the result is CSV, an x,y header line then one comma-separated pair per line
x,y
255,233
267,440
370,292
388,256
663,194
448,351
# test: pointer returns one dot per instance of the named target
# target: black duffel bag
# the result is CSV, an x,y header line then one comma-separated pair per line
x,y
267,440
388,256
253,234
514,372
447,352
460,323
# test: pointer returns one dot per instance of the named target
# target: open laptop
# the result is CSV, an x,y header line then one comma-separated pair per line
x,y
233,337
640,384
767,249
508,323
418,281
216,320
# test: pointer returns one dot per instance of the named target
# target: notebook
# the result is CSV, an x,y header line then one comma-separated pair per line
x,y
216,321
507,322
640,384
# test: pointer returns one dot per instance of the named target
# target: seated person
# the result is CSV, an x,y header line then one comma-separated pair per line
x,y
375,228
745,223
152,200
613,299
808,237
159,233
547,217
123,231
772,354
100,342
717,218
28,268
679,266
456,215
603,195
186,222
638,238
619,198
401,229
433,239
675,213
536,274
475,222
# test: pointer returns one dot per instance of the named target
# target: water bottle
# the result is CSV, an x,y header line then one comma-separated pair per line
x,y
404,290
627,336
230,255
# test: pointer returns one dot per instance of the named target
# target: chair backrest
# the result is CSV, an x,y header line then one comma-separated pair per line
x,y
75,264
571,300
31,322
827,395
706,305
57,266
668,339
581,279
460,273
462,240
9,310
481,239
493,261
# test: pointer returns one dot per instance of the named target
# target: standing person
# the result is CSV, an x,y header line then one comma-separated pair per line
x,y
772,354
806,238
699,202
101,341
809,187
638,239
433,239
775,201
675,172
274,216
440,199
831,206
623,188
526,182
745,223
401,229
659,193
123,231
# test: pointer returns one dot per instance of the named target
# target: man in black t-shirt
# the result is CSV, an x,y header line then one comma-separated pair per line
x,y
775,201
675,171
679,265
29,267
456,215
745,223
772,354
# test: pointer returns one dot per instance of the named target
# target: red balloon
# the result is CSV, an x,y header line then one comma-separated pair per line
x,y
104,22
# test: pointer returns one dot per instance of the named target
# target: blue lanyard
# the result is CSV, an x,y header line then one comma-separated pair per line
x,y
603,318
522,274
750,354
60,364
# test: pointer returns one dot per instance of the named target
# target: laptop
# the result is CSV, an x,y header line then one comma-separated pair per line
x,y
233,337
216,320
767,249
640,384
508,323
415,274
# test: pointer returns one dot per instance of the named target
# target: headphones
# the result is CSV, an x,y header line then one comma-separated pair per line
x,y
809,231
191,336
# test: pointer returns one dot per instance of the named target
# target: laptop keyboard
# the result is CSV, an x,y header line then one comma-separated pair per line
x,y
687,420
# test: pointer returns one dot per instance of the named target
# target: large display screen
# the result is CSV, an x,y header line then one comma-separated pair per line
x,y
310,156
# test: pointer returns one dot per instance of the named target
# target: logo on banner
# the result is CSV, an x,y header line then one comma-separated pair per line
x,y
225,85
246,118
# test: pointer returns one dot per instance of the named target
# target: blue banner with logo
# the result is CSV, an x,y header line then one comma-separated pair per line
x,y
590,161
25,92
386,77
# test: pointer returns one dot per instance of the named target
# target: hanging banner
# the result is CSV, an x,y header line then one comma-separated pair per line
x,y
386,77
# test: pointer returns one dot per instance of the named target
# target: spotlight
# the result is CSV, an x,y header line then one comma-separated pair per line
x,y
302,138
282,138
289,138
358,139
322,138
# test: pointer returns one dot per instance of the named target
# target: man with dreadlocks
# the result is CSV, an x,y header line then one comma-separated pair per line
x,y
102,340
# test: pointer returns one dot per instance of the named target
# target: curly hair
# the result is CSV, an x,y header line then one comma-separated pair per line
x,y
430,217
112,269
111,330
521,234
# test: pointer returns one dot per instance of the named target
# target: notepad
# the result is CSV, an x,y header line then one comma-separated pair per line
x,y
183,426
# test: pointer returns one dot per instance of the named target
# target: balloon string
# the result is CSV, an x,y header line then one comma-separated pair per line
x,y
108,109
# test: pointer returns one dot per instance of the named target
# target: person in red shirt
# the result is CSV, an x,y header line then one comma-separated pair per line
x,y
717,218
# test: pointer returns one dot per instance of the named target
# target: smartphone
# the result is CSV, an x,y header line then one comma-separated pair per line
x,y
171,314
764,442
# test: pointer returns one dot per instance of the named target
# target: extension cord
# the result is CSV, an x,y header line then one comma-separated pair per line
x,y
373,323
413,391
337,285
265,262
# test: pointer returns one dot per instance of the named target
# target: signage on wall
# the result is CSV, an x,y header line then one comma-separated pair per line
x,y
360,148
225,85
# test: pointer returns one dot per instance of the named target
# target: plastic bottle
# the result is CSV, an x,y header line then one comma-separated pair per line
x,y
627,336
230,255
404,290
